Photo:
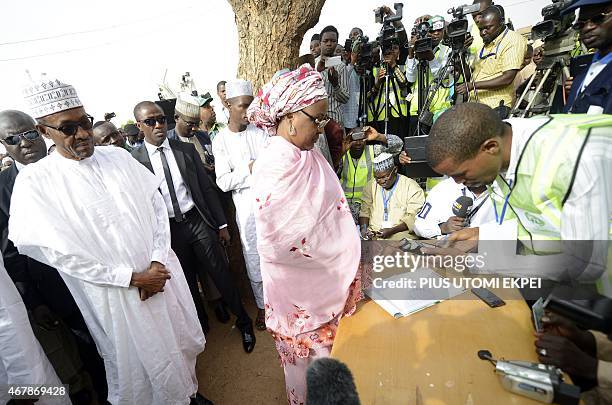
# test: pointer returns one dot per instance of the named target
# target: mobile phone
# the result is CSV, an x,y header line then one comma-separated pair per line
x,y
488,297
411,246
358,135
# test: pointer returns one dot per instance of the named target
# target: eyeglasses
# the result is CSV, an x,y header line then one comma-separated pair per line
x,y
191,124
150,122
597,20
319,122
28,136
71,128
387,177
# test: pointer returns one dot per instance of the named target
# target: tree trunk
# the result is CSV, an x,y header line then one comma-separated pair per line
x,y
270,33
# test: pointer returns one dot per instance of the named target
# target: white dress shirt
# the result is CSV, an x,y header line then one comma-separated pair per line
x,y
438,208
182,193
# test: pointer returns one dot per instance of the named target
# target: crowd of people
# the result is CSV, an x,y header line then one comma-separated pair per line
x,y
115,237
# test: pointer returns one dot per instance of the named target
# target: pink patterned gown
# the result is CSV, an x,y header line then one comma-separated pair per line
x,y
309,250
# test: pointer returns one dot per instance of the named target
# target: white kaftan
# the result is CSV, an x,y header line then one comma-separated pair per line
x,y
22,360
97,221
233,151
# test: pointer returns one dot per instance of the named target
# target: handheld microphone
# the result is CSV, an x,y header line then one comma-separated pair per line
x,y
462,206
330,382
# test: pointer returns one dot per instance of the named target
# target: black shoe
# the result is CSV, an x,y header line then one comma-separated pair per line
x,y
200,400
248,340
220,312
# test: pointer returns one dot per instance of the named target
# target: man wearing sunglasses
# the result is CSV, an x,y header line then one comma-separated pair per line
x,y
197,223
590,91
44,293
97,216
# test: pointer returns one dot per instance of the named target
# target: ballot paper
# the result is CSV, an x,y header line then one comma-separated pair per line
x,y
400,302
329,61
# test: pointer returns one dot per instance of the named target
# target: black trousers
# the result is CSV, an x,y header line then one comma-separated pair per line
x,y
199,250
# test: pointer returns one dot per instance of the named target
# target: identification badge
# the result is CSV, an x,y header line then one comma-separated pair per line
x,y
595,110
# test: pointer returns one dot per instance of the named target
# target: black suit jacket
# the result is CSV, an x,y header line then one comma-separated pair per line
x,y
598,92
38,283
195,178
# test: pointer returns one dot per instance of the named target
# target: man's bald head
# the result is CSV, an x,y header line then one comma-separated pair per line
x,y
106,133
14,127
10,119
143,106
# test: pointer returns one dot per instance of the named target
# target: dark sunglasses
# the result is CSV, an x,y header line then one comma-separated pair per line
x,y
28,136
71,128
319,122
151,122
597,20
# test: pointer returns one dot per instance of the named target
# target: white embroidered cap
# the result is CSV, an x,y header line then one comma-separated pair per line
x,y
49,96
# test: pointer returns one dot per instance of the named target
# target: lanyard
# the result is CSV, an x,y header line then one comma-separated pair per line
x,y
496,48
386,200
499,218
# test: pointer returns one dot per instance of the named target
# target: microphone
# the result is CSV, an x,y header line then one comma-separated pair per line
x,y
462,206
330,382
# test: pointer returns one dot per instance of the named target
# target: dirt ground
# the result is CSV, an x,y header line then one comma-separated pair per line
x,y
229,376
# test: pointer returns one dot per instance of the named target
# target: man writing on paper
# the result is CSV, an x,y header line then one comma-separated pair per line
x,y
98,218
390,202
552,174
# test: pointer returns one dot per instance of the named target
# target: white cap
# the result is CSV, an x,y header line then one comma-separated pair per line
x,y
237,88
187,105
383,162
47,96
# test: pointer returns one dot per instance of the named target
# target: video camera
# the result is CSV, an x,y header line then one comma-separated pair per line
x,y
553,24
365,57
456,31
423,42
388,34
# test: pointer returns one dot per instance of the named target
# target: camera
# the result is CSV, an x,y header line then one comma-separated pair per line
x,y
553,24
423,42
365,57
457,29
387,36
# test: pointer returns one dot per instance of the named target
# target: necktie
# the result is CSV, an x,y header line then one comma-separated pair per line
x,y
178,216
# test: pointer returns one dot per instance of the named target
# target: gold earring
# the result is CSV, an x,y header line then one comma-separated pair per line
x,y
292,131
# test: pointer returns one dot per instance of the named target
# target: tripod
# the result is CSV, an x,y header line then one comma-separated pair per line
x,y
364,88
551,73
423,79
456,64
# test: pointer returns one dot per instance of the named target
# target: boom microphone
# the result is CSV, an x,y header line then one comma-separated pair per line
x,y
462,206
330,382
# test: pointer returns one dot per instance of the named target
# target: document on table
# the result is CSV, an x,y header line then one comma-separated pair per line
x,y
400,302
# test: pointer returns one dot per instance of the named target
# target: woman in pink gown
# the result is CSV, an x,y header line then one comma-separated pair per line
x,y
308,244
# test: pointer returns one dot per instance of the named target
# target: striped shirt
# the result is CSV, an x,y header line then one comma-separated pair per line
x,y
350,110
504,53
338,96
585,216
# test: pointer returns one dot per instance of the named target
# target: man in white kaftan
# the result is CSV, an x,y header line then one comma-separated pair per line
x,y
235,148
98,218
22,360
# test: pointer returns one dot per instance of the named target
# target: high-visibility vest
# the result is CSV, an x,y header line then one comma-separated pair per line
x,y
398,105
441,100
543,181
354,178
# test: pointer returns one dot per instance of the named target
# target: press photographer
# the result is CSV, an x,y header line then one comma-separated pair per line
x,y
427,56
389,105
497,62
